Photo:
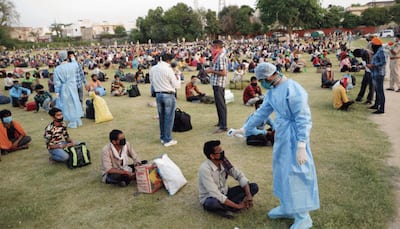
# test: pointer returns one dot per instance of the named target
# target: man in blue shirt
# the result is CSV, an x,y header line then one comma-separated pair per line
x,y
19,95
378,68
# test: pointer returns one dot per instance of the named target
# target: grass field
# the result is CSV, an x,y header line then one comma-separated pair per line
x,y
349,153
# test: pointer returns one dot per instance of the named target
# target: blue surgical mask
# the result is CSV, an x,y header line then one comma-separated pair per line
x,y
7,119
16,86
266,85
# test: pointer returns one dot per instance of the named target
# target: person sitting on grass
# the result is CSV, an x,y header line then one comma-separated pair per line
x,y
57,137
12,136
117,87
42,98
327,77
340,99
214,193
120,73
19,95
28,81
191,88
252,94
115,160
95,85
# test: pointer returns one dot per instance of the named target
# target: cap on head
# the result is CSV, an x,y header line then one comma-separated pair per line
x,y
264,70
376,41
62,55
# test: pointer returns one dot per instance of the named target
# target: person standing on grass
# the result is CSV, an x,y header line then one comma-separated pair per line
x,y
378,68
115,159
67,98
214,193
366,56
218,73
164,82
294,174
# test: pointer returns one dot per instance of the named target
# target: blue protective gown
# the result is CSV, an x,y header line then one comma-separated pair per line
x,y
296,186
68,100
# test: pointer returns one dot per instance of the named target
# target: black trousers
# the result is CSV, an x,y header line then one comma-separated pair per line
x,y
366,82
219,96
235,194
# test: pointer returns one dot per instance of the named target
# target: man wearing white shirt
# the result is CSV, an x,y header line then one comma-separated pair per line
x,y
164,82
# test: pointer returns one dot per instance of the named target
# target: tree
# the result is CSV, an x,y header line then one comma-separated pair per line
x,y
152,26
8,14
375,16
120,31
181,21
332,16
58,28
350,20
395,12
211,26
289,13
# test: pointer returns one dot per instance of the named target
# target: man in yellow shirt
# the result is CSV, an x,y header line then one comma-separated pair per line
x,y
340,99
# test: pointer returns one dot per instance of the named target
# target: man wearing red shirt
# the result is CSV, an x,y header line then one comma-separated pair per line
x,y
252,94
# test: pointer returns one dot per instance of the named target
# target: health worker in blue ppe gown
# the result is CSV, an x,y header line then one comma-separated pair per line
x,y
294,175
67,98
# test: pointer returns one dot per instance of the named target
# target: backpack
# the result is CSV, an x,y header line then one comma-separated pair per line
x,y
147,78
129,77
101,76
133,90
261,139
79,155
90,109
45,73
182,121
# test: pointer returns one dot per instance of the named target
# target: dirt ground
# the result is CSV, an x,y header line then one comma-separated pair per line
x,y
389,124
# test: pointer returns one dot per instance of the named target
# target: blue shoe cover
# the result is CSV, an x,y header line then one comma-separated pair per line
x,y
276,213
302,221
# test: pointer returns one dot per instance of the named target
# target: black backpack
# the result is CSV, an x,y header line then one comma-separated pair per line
x,y
79,156
133,90
90,109
182,121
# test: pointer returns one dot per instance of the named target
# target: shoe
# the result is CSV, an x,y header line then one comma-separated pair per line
x,y
358,100
367,102
219,130
378,112
302,221
276,213
398,90
225,214
390,89
171,143
373,107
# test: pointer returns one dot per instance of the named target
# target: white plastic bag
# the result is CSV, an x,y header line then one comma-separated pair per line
x,y
170,173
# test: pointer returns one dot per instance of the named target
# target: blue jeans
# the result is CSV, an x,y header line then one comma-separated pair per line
x,y
380,94
166,113
59,154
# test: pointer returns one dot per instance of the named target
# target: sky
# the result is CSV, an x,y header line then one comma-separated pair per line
x,y
42,13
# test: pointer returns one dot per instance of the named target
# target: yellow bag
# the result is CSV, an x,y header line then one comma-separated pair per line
x,y
101,111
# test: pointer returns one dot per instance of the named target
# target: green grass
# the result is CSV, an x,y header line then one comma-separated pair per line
x,y
349,152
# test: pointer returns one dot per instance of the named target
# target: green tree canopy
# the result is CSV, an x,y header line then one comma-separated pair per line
x,y
332,16
395,13
350,20
120,31
375,16
290,13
